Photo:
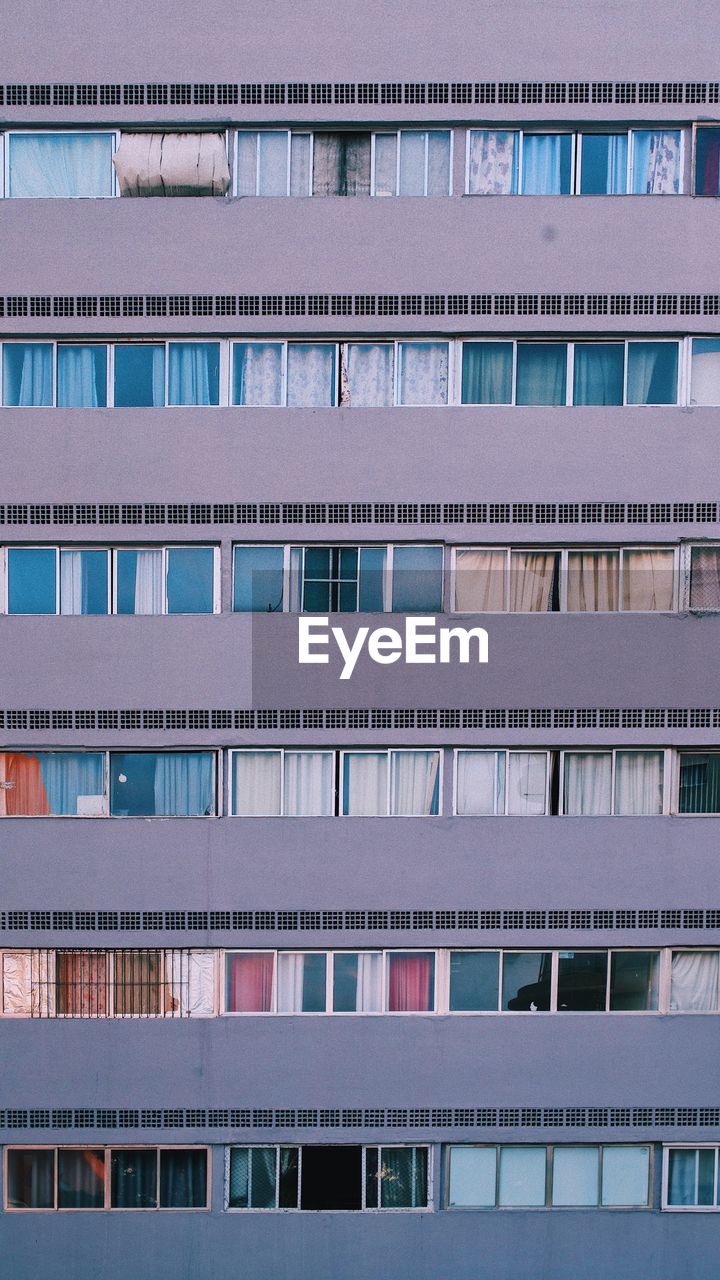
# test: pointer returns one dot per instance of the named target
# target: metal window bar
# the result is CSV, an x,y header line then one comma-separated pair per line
x,y
87,983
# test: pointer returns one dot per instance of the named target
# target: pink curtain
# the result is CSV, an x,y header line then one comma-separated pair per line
x,y
411,982
251,978
23,792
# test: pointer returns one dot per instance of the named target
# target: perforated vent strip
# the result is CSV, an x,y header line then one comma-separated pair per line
x,y
38,720
358,1117
112,306
700,511
360,920
371,93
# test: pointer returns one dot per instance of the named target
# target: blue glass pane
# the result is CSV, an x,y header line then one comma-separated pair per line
x,y
652,373
60,164
417,579
604,164
190,580
313,988
83,582
194,373
541,372
474,977
598,373
82,377
167,784
546,164
372,575
27,373
31,580
139,375
487,373
258,580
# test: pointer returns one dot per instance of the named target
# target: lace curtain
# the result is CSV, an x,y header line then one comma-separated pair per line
x,y
493,163
60,165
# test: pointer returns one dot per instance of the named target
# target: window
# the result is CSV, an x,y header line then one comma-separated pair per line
x,y
60,164
397,783
82,376
579,981
297,374
582,580
258,579
172,164
619,782
705,371
692,1180
280,162
107,1178
580,373
73,983
268,784
707,161
642,161
28,374
652,373
340,579
369,374
57,580
412,162
474,981
178,784
273,162
52,783
603,164
139,374
699,782
193,373
411,982
502,782
76,581
152,580
705,578
656,164
505,162
423,372
559,1176
327,1177
695,982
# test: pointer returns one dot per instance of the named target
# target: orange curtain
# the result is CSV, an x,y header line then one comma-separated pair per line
x,y
23,793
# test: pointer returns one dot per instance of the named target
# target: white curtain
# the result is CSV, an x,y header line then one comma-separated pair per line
x,y
149,585
648,580
368,996
493,163
480,782
257,784
438,162
172,164
480,581
257,373
638,782
193,373
532,577
423,373
412,163
705,371
60,164
694,984
587,783
27,373
592,581
527,784
414,779
310,374
542,163
17,983
71,582
385,164
183,784
300,169
656,162
369,369
246,176
365,784
705,578
309,783
192,981
272,163
290,981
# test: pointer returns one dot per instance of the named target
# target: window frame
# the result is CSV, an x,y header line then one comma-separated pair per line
x,y
165,548
507,752
428,1207
9,131
665,1205
613,752
282,752
389,752
217,781
550,1148
397,132
107,1150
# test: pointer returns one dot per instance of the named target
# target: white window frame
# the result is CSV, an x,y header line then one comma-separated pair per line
x,y
688,1208
398,134
165,548
696,127
389,752
550,1148
677,754
115,134
603,132
645,749
62,817
506,752
281,752
299,1146
665,127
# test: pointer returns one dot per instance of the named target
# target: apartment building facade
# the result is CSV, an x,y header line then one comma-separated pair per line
x,y
372,318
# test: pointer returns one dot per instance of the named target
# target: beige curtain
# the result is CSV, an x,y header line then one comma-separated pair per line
x,y
648,580
172,164
592,581
532,574
480,581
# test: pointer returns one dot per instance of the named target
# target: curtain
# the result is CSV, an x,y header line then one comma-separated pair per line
x,y
438,162
149,582
365,784
251,1184
587,783
546,164
81,377
592,581
527,784
480,581
183,784
30,1179
414,783
385,183
493,165
194,373
423,373
368,989
705,382
172,164
27,373
410,982
133,1178
139,375
656,162
699,783
82,986
300,151
533,580
480,782
192,983
341,164
256,791
183,1179
257,373
72,780
81,1179
369,368
17,984
598,373
83,582
707,162
246,175
250,982
691,1176
403,1177
309,777
310,375
694,982
652,372
648,580
301,982
22,791
638,782
541,373
705,578
60,164
487,373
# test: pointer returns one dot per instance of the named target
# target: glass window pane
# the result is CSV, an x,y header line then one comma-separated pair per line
x,y
522,1176
699,783
139,586
371,595
417,579
370,374
707,162
289,1175
300,164
81,376
526,981
472,1176
415,783
423,373
258,584
493,163
412,163
638,782
598,373
81,1179
403,1177
487,372
27,373
541,372
31,579
83,582
634,980
593,579
652,373
694,985
30,1179
438,166
357,982
273,163
249,981
474,977
683,1176
656,162
648,580
183,1179
527,784
301,982
310,375
139,378
479,581
194,373
257,781
705,578
575,1175
133,1178
365,784
582,981
170,784
587,782
546,164
480,782
604,164
252,1178
60,165
625,1172
534,581
705,380
309,783
411,981
385,164
65,783
190,579
257,373
246,177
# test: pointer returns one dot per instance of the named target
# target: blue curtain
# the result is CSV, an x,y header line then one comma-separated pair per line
x,y
82,377
61,164
598,373
487,373
28,373
546,164
68,775
541,372
183,784
194,373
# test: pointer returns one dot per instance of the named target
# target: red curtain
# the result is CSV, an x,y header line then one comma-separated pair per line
x,y
24,795
411,982
250,987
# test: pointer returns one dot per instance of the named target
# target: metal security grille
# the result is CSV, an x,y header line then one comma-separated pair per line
x,y
144,983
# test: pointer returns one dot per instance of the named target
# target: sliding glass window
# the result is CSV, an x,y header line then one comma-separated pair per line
x,y
60,165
